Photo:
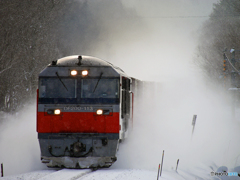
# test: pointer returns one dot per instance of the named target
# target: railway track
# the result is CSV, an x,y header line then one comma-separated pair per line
x,y
67,174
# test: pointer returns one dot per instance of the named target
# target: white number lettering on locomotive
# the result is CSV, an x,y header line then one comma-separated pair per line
x,y
75,108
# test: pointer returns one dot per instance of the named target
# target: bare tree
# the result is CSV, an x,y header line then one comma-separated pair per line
x,y
219,34
33,33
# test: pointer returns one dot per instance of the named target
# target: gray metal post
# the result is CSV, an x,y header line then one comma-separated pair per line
x,y
194,122
158,171
177,164
162,163
2,170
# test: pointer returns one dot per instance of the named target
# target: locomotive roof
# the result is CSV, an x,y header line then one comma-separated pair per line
x,y
82,60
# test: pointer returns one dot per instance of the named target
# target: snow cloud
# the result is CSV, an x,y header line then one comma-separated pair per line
x,y
19,149
163,51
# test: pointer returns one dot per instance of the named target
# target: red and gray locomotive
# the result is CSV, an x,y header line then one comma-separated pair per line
x,y
84,110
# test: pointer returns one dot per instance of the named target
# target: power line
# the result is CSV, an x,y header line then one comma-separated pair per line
x,y
185,17
173,17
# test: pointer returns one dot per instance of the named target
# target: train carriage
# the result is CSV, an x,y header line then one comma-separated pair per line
x,y
84,110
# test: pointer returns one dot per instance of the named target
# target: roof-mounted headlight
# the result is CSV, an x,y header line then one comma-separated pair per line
x,y
85,72
74,72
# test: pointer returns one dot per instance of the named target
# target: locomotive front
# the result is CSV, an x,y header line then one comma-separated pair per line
x,y
84,109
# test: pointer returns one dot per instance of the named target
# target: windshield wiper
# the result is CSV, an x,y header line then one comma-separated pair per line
x,y
61,81
97,82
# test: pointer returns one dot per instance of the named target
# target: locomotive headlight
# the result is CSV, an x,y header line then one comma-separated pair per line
x,y
99,112
84,72
57,111
74,72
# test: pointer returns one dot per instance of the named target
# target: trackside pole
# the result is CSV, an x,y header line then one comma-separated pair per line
x,y
162,163
158,171
177,164
2,170
194,122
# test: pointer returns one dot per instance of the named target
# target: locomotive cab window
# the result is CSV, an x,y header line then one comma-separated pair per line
x,y
100,91
103,88
57,88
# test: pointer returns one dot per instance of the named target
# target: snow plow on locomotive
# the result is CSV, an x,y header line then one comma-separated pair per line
x,y
84,110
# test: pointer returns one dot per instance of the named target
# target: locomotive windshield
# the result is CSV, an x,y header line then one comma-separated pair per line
x,y
57,88
81,91
100,88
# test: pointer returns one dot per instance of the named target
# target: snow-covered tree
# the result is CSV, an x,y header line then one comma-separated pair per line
x,y
220,34
34,33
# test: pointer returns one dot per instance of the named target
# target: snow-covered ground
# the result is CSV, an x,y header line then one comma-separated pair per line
x,y
201,173
104,174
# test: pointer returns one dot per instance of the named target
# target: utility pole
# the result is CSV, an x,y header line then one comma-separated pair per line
x,y
224,69
234,89
233,81
233,73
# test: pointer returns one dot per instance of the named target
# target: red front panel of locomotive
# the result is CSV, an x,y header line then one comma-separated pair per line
x,y
77,122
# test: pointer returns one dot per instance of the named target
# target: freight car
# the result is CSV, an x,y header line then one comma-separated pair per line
x,y
84,110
